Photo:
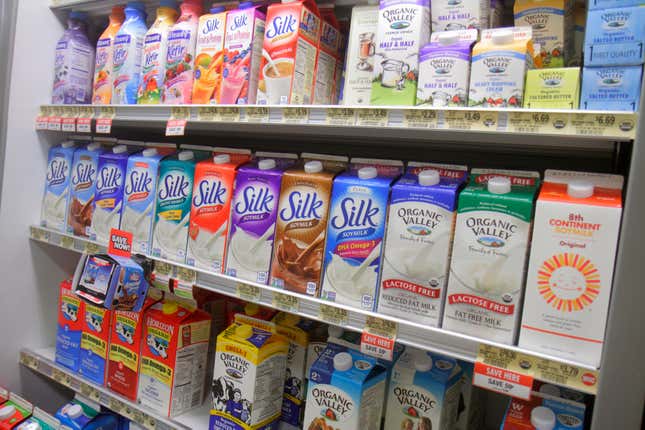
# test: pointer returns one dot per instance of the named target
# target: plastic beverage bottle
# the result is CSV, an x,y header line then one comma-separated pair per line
x,y
74,63
102,94
128,47
178,85
153,62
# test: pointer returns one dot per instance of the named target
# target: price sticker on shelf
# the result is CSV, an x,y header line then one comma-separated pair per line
x,y
420,118
538,122
92,248
176,127
42,120
66,242
504,371
295,115
372,117
55,121
470,120
341,116
39,234
104,121
286,302
207,113
333,315
69,119
228,114
61,377
257,114
84,120
148,422
590,124
184,281
116,405
566,375
378,338
248,292
161,275
28,360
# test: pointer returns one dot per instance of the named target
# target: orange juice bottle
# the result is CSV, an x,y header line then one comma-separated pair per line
x,y
102,89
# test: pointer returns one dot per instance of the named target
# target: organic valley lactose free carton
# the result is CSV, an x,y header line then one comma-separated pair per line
x,y
576,227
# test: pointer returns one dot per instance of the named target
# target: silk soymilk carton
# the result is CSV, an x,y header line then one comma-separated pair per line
x,y
346,391
139,197
71,314
611,88
403,28
444,68
209,57
174,196
95,338
355,230
174,353
420,230
57,186
448,15
209,212
82,188
569,281
361,48
489,254
615,37
108,198
424,392
250,366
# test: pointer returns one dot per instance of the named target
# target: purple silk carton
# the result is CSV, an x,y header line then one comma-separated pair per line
x,y
82,188
253,216
108,198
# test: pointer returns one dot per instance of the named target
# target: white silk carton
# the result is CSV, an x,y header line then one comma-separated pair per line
x,y
360,56
575,235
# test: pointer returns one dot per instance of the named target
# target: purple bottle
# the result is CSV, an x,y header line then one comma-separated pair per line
x,y
74,63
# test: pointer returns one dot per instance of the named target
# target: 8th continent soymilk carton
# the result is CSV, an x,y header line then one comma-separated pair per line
x,y
174,353
569,281
361,48
57,186
420,230
448,15
403,28
489,254
423,392
355,231
71,314
82,188
346,391
250,366
94,343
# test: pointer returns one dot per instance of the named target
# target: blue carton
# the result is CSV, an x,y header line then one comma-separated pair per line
x,y
615,37
611,88
56,198
604,4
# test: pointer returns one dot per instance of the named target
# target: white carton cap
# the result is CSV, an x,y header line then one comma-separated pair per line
x,y
266,164
429,177
367,172
7,411
74,411
499,185
68,144
314,166
502,36
580,189
119,149
335,331
149,152
445,38
185,155
542,418
93,146
550,390
343,361
422,363
222,159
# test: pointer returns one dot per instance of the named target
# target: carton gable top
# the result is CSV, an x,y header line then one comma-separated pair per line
x,y
443,371
363,367
351,178
249,337
607,188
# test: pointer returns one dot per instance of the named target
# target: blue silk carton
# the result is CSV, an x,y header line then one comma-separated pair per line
x,y
611,88
615,37
59,166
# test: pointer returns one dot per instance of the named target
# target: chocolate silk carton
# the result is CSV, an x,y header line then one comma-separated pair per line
x,y
82,188
361,48
489,254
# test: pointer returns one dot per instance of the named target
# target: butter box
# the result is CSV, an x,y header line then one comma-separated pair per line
x,y
611,88
552,88
615,37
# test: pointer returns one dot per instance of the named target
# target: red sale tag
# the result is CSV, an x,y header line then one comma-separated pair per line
x,y
503,381
378,338
120,243
54,123
42,122
84,125
104,125
69,125
176,127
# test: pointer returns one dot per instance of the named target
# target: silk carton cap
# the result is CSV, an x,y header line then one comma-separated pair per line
x,y
185,155
266,164
335,331
314,166
222,159
367,172
74,411
7,412
119,149
149,152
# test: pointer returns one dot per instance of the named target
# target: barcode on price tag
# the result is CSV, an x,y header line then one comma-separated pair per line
x,y
378,338
504,371
420,118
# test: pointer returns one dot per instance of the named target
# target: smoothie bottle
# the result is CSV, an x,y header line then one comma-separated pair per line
x,y
153,63
126,61
178,85
73,66
209,56
102,94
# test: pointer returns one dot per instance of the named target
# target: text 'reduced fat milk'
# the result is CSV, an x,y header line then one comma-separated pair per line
x,y
403,28
82,188
417,246
448,15
361,48
57,183
489,254
569,280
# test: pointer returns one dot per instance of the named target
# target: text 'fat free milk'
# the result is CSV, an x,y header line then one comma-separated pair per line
x,y
488,262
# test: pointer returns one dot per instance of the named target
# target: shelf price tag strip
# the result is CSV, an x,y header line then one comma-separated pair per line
x,y
42,120
420,118
590,124
104,121
69,119
84,120
286,302
333,315
372,118
248,292
341,117
504,371
55,119
176,125
257,114
378,338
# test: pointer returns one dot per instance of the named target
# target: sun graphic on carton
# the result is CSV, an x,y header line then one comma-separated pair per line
x,y
568,282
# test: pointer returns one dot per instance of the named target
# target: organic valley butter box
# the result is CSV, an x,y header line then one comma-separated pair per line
x,y
552,88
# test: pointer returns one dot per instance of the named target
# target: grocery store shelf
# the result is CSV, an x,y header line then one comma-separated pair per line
x,y
42,361
94,7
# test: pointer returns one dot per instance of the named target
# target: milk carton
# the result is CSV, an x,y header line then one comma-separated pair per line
x,y
418,242
403,28
243,53
552,88
82,188
450,15
94,343
489,254
108,198
71,314
361,48
499,65
253,217
470,414
301,228
57,186
575,235
139,197
250,365
209,212
543,413
552,24
291,42
325,74
14,411
423,392
611,88
174,196
174,352
615,37
346,391
209,56
388,168
357,219
444,68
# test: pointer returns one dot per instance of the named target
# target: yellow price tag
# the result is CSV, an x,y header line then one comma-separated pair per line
x,y
148,422
286,302
591,124
86,112
92,248
420,118
86,389
207,113
116,405
257,114
108,112
379,338
186,275
504,371
61,377
295,115
35,233
538,122
333,315
248,292
180,112
381,327
372,117
470,120
28,360
66,242
228,114
341,117
566,375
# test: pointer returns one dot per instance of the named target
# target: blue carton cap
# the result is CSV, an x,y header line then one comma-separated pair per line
x,y
217,9
245,5
138,5
168,3
75,14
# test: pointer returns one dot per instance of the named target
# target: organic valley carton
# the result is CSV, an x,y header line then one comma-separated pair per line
x,y
71,314
552,88
174,353
499,65
403,28
615,37
424,392
57,184
287,71
420,230
82,188
361,48
250,366
94,343
448,15
611,88
577,221
489,254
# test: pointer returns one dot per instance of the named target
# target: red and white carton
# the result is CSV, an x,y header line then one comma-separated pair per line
x,y
290,52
